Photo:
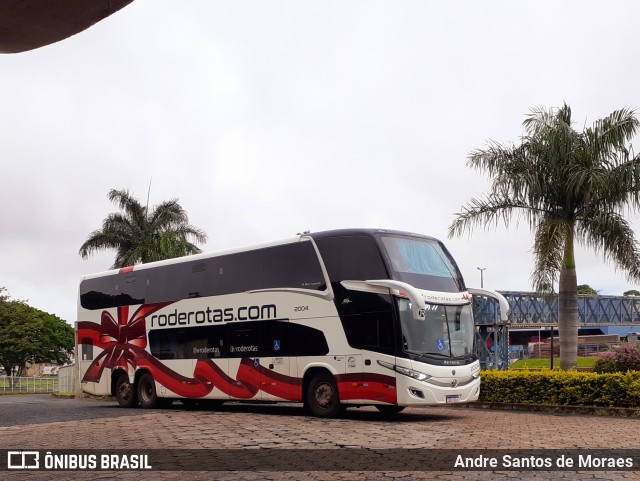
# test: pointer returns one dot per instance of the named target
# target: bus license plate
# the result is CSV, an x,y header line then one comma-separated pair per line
x,y
453,399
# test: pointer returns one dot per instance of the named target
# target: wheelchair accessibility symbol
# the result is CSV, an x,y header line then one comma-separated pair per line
x,y
276,345
440,344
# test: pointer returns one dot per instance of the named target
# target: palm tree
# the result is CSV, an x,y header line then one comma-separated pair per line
x,y
141,235
570,186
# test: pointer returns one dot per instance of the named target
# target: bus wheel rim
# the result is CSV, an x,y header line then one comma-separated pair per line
x,y
125,390
325,395
146,391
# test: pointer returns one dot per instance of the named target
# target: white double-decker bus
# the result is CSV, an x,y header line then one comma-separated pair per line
x,y
330,319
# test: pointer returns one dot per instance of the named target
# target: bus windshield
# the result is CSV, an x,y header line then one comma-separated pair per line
x,y
446,331
423,263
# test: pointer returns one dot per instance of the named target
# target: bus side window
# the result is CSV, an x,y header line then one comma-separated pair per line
x,y
372,331
168,283
352,258
353,330
206,342
197,280
377,330
244,340
111,291
290,266
163,343
306,341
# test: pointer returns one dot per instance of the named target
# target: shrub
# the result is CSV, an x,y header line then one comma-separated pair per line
x,y
561,387
625,358
606,363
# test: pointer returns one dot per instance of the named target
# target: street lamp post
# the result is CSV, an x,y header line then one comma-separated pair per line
x,y
481,269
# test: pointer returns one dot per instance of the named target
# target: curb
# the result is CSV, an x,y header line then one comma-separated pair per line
x,y
85,396
62,395
554,409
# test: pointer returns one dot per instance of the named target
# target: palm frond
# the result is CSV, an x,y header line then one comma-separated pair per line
x,y
548,247
137,234
126,202
490,211
610,234
623,186
612,133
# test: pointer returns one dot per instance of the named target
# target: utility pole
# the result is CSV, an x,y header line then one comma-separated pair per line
x,y
481,269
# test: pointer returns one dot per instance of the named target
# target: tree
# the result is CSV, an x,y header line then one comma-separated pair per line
x,y
631,293
140,235
29,335
570,186
587,290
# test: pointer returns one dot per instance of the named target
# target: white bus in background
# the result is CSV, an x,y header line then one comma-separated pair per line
x,y
330,319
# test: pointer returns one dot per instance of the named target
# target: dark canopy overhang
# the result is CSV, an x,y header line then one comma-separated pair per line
x,y
29,24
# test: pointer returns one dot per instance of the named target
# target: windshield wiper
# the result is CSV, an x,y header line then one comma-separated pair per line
x,y
427,354
436,354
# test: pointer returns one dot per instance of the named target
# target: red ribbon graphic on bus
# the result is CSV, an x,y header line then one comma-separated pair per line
x,y
124,340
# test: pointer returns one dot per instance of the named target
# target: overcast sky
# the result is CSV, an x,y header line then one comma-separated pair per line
x,y
269,118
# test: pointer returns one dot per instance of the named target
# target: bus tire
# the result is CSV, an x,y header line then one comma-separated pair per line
x,y
125,392
147,392
323,400
388,409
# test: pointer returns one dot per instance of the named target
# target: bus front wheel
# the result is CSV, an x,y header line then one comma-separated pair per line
x,y
322,396
125,392
147,391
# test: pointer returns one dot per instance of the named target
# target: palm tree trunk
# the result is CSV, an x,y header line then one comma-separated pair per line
x,y
568,308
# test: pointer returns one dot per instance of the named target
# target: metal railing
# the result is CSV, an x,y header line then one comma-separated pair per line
x,y
29,384
533,308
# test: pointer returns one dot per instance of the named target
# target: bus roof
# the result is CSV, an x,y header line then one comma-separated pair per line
x,y
250,247
371,232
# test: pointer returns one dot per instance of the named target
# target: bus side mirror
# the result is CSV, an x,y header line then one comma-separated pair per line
x,y
502,301
397,288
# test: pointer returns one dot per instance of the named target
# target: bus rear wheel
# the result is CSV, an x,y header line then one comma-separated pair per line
x,y
323,400
125,392
147,392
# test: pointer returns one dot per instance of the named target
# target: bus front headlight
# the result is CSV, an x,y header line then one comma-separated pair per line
x,y
417,375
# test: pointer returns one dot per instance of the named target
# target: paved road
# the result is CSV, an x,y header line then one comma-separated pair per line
x,y
18,410
76,424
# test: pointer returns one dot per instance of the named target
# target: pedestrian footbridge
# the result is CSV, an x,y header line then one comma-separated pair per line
x,y
534,312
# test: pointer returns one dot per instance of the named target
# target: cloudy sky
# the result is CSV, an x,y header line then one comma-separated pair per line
x,y
269,118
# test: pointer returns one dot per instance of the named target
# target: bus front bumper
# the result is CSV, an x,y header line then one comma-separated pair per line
x,y
411,392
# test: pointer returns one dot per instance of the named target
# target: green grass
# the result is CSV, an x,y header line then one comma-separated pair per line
x,y
546,363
